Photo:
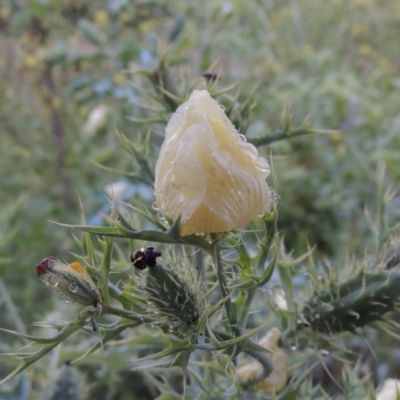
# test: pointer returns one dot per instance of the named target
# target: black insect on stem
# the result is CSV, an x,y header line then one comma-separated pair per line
x,y
145,257
210,76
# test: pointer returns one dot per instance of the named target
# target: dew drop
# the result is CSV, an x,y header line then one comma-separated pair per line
x,y
264,169
244,138
200,234
73,287
154,206
56,284
294,348
222,107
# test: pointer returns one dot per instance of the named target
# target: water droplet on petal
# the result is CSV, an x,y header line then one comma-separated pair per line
x,y
73,287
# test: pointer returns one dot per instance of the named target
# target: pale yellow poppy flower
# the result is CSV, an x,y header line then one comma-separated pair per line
x,y
207,173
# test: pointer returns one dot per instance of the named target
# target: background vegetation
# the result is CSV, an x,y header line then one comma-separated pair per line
x,y
332,64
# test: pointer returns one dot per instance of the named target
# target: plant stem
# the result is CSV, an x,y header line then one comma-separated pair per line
x,y
120,312
59,134
229,307
267,368
246,307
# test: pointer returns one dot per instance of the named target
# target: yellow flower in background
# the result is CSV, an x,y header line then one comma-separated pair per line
x,y
101,18
56,102
5,13
278,377
207,173
120,79
366,50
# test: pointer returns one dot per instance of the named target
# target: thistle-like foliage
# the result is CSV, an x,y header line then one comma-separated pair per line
x,y
167,291
170,293
392,257
353,302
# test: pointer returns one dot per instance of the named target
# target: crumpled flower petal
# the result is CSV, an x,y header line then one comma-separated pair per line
x,y
207,173
390,390
278,377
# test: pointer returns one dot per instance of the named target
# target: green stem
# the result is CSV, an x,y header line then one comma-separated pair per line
x,y
229,307
107,245
287,133
171,236
10,307
119,295
49,344
267,368
120,312
246,307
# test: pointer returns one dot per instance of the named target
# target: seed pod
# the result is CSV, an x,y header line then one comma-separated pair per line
x,y
70,281
171,294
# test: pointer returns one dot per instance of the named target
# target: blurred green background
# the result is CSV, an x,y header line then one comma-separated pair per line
x,y
67,83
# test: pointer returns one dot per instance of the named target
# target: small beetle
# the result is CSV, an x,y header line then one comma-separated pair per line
x,y
210,76
145,257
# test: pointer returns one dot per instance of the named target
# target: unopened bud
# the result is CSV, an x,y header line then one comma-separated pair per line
x,y
207,173
70,281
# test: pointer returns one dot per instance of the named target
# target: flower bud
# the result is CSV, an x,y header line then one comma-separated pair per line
x,y
171,294
207,173
276,380
70,281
